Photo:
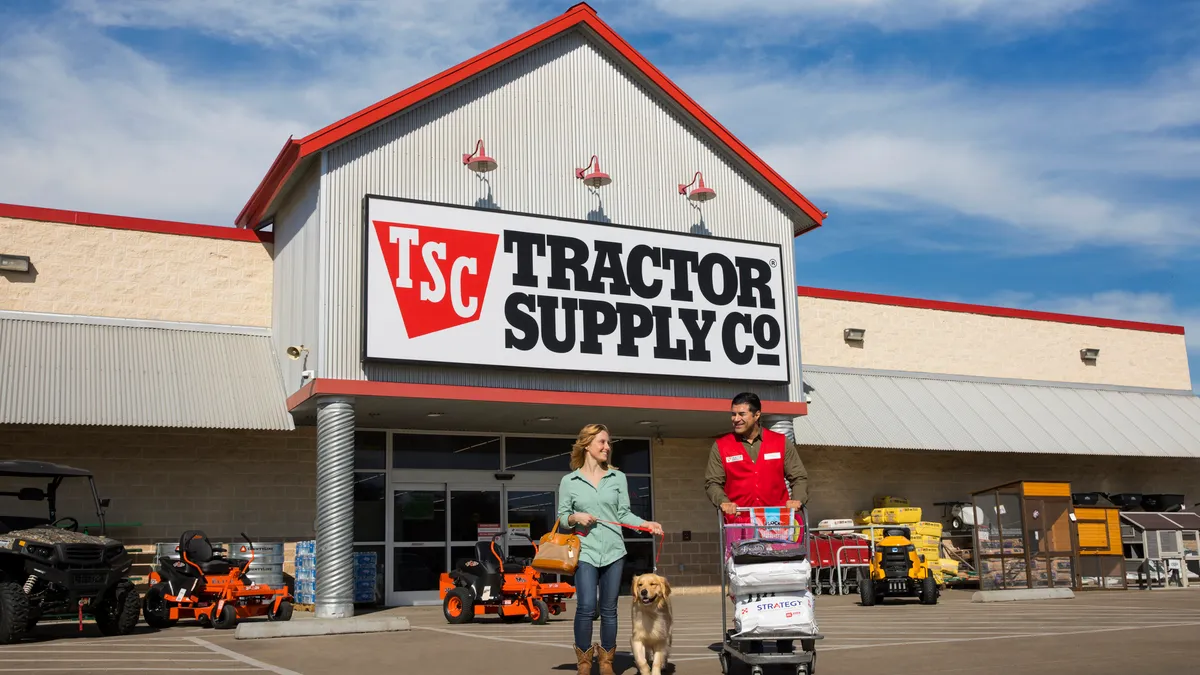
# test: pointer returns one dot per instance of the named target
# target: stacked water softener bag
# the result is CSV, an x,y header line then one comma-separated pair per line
x,y
769,581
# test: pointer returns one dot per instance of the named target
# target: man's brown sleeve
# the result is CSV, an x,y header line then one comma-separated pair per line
x,y
714,478
797,475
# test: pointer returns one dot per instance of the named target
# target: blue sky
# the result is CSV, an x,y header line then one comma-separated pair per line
x,y
1033,153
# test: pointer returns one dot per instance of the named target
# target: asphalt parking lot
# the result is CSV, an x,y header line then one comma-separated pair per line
x,y
1114,632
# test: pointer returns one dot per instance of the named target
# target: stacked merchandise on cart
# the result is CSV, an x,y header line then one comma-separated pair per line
x,y
305,591
769,576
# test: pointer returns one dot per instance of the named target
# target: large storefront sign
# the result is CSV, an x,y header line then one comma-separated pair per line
x,y
446,284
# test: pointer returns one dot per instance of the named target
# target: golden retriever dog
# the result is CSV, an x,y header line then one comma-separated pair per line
x,y
651,623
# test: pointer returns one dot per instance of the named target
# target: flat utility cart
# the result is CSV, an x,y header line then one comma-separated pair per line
x,y
1161,547
766,573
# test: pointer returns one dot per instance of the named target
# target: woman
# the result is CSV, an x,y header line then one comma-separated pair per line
x,y
593,493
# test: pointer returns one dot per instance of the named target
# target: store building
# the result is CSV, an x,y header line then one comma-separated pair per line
x,y
385,355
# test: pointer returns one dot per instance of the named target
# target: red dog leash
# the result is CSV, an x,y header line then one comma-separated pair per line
x,y
641,528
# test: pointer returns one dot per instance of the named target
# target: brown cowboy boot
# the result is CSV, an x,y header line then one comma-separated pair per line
x,y
606,660
585,659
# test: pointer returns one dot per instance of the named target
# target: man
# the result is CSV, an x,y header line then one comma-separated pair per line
x,y
749,467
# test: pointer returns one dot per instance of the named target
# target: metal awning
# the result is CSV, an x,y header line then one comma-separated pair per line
x,y
72,370
919,411
1175,520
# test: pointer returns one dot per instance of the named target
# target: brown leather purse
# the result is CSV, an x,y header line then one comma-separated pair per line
x,y
557,553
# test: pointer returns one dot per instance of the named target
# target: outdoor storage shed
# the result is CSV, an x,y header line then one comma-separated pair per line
x,y
1101,558
1161,548
1028,538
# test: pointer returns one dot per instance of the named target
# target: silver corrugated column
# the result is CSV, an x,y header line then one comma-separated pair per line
x,y
780,424
335,507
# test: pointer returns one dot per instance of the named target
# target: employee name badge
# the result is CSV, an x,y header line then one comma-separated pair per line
x,y
733,458
772,455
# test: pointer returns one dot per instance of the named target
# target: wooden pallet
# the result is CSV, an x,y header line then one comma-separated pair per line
x,y
303,607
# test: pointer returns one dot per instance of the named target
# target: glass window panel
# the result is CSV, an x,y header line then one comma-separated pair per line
x,y
523,453
370,506
370,449
445,451
534,510
1008,513
631,455
1039,573
469,509
420,515
639,559
417,569
1062,572
640,503
991,574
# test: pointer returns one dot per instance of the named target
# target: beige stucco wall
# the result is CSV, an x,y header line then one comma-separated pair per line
x,y
934,341
98,271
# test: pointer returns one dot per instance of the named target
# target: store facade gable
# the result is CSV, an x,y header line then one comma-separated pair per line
x,y
570,94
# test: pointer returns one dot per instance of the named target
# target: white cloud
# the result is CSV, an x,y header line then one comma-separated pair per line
x,y
88,123
889,15
1047,165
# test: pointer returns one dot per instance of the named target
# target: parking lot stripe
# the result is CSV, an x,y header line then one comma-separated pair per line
x,y
1007,637
121,670
261,665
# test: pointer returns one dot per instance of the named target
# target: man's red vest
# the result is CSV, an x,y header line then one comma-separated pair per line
x,y
757,482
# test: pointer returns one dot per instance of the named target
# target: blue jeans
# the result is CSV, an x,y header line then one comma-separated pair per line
x,y
591,582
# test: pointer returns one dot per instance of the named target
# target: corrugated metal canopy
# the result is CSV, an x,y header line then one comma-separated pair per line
x,y
917,411
1177,520
58,369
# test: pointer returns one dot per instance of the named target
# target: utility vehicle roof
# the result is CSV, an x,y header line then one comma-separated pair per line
x,y
26,467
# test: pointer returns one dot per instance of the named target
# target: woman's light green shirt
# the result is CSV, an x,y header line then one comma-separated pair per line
x,y
600,543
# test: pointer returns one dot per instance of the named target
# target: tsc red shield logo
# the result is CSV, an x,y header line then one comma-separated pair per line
x,y
440,276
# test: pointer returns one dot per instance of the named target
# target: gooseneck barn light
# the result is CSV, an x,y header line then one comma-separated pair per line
x,y
700,193
478,161
594,178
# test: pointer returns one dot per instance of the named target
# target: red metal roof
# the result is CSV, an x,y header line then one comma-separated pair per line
x,y
1034,315
294,151
38,213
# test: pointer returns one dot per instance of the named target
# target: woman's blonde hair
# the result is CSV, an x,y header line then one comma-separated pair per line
x,y
586,436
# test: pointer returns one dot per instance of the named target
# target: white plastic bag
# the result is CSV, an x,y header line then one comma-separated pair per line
x,y
771,615
770,577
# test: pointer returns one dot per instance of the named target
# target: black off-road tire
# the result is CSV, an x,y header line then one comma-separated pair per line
x,y
929,590
284,613
459,606
155,610
541,613
226,618
866,592
118,613
14,612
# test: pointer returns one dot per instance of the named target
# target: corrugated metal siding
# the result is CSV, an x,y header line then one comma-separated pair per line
x,y
922,412
296,283
132,375
541,115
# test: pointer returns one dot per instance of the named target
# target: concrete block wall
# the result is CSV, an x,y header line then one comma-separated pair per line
x,y
169,480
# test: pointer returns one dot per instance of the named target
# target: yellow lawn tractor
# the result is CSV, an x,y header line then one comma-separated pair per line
x,y
897,570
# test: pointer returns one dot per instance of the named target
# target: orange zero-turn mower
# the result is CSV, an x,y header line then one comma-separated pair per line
x,y
210,588
497,581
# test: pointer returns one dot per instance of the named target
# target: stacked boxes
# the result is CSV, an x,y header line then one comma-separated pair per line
x,y
305,592
366,575
896,515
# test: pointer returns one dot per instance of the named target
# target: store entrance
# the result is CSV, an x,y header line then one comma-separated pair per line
x,y
436,526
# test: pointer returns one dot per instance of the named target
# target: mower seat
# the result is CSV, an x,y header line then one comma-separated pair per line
x,y
200,553
483,553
